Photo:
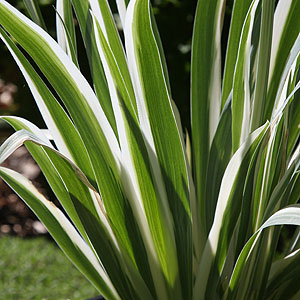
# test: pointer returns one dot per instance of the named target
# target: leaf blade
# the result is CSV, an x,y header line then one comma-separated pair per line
x,y
61,229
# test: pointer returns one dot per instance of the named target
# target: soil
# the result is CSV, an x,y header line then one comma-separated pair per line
x,y
15,217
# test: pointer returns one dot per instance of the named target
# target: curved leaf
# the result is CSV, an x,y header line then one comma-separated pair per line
x,y
62,231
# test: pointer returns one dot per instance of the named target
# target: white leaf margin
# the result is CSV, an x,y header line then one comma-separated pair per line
x,y
66,226
76,76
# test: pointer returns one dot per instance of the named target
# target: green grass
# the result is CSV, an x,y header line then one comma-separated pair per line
x,y
36,269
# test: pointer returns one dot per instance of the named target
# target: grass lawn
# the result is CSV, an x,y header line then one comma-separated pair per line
x,y
37,269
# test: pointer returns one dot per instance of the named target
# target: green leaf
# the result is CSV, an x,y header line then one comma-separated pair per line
x,y
44,162
137,166
219,156
161,50
294,115
295,192
34,11
82,11
286,216
105,20
263,61
288,68
227,213
239,12
241,86
283,276
64,133
61,128
88,206
282,191
269,169
82,104
205,91
62,231
160,130
65,29
285,32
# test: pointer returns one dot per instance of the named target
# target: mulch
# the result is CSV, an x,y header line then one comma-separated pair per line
x,y
15,217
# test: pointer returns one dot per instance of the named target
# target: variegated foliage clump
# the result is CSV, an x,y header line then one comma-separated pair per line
x,y
152,213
